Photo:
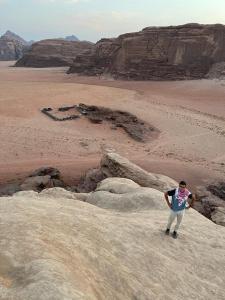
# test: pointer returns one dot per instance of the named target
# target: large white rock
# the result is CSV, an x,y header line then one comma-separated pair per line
x,y
114,165
58,192
60,248
138,199
117,185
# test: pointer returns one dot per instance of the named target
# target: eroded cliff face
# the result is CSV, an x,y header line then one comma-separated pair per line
x,y
52,53
156,53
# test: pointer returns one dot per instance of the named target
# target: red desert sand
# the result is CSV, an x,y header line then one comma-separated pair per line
x,y
190,116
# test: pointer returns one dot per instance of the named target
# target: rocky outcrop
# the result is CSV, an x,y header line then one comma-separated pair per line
x,y
156,53
114,165
52,53
12,47
40,179
117,185
56,247
217,71
136,200
218,216
211,202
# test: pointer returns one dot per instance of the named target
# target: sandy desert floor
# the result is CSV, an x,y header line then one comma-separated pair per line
x,y
189,114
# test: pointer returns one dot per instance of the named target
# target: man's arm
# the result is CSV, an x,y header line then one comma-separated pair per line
x,y
167,199
193,198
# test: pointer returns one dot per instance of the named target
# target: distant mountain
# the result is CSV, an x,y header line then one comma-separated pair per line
x,y
31,42
72,38
12,46
13,37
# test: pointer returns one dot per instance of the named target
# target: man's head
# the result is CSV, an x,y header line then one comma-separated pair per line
x,y
182,185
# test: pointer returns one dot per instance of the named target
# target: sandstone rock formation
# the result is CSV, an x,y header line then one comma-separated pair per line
x,y
217,71
56,247
40,179
114,165
12,47
117,185
52,53
212,201
136,200
156,53
218,216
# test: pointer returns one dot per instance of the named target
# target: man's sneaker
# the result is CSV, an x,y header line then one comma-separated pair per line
x,y
167,232
174,235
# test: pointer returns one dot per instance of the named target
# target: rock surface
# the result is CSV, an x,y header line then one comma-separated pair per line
x,y
114,165
217,71
40,179
211,202
52,53
136,200
60,248
156,53
117,185
218,216
12,47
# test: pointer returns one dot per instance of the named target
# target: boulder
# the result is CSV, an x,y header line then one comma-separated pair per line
x,y
156,53
114,165
217,189
52,53
210,196
40,179
136,200
36,183
88,182
117,185
43,171
218,216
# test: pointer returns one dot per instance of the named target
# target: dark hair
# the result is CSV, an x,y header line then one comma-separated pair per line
x,y
182,183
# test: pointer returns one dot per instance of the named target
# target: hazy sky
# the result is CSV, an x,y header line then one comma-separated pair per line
x,y
94,19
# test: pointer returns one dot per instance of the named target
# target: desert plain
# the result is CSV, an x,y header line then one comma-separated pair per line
x,y
189,115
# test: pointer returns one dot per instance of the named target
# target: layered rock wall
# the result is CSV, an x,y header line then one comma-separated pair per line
x,y
52,53
156,53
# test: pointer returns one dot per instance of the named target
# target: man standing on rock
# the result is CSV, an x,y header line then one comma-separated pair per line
x,y
178,205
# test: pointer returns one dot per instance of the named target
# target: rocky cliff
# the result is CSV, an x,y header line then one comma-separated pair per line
x,y
12,47
52,53
156,53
